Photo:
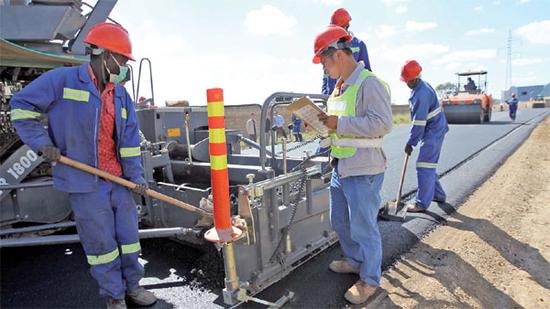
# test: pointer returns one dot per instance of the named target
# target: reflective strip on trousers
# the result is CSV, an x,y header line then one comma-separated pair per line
x,y
18,113
419,123
426,165
131,248
103,259
123,113
130,152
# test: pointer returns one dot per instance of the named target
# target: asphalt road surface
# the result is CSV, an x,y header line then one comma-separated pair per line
x,y
57,276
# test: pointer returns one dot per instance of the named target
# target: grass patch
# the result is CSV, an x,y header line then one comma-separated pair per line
x,y
401,118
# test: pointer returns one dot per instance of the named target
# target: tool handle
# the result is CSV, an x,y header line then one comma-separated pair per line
x,y
131,185
402,180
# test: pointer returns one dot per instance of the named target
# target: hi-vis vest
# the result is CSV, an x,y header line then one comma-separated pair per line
x,y
344,105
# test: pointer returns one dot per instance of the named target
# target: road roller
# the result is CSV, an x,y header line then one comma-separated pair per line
x,y
470,103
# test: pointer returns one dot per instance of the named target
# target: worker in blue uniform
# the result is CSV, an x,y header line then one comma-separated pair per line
x,y
512,106
91,119
342,18
296,127
429,127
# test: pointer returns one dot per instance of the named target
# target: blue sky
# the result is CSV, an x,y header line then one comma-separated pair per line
x,y
254,48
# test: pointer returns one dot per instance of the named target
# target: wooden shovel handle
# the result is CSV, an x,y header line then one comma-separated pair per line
x,y
402,180
123,182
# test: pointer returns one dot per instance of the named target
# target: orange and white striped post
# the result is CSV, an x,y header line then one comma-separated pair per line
x,y
223,231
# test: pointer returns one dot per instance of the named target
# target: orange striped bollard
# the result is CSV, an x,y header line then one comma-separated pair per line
x,y
223,231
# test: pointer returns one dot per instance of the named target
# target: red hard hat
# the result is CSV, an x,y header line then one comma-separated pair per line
x,y
341,18
410,70
327,37
111,37
513,94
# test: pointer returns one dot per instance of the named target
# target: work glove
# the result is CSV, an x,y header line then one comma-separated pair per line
x,y
408,149
140,188
50,153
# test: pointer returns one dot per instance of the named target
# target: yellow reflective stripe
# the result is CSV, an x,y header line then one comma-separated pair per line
x,y
426,165
419,122
218,162
216,135
130,152
354,49
131,248
434,113
123,113
18,113
102,259
215,109
75,94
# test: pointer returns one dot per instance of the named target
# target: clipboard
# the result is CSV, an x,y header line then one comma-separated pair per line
x,y
306,110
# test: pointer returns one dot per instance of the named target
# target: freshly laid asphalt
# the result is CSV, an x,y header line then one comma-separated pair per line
x,y
57,276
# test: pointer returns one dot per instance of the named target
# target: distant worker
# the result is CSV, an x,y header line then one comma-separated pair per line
x,y
342,18
296,127
251,128
92,120
470,86
359,115
279,122
512,106
429,127
268,131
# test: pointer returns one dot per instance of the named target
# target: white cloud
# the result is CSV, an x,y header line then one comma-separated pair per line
x,y
481,31
414,51
401,9
394,2
527,61
537,32
524,1
479,8
419,26
269,20
384,31
362,35
332,2
465,56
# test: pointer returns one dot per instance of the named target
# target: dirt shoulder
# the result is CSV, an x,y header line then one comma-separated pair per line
x,y
494,252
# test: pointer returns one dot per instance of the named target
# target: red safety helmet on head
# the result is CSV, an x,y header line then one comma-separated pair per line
x,y
340,18
111,37
410,70
328,38
513,94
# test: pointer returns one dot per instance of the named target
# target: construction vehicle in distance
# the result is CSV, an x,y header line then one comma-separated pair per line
x,y
469,105
538,102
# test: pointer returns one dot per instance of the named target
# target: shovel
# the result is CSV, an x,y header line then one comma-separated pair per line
x,y
396,210
123,182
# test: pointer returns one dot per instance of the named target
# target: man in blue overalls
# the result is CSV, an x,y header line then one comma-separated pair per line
x,y
429,127
91,119
359,115
512,106
342,18
296,127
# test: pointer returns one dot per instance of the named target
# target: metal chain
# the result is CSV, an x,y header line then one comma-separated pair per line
x,y
300,144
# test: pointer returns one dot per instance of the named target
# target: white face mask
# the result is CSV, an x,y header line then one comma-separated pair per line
x,y
121,76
